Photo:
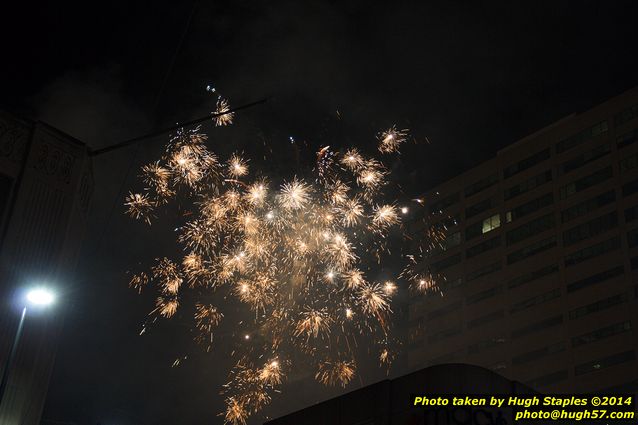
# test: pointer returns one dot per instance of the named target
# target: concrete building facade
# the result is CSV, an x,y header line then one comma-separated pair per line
x,y
45,188
540,259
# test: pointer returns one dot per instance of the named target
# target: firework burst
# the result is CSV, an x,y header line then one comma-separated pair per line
x,y
391,139
237,167
385,216
139,206
222,115
335,372
352,159
294,195
291,253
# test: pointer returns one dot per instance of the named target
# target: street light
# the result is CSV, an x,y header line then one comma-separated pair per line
x,y
36,297
40,296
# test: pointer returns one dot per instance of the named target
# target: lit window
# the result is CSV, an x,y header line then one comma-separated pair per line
x,y
491,223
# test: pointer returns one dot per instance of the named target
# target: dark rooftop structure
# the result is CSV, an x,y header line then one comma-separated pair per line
x,y
388,402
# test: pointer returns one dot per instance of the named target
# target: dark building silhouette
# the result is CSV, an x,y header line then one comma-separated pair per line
x,y
540,259
45,188
389,402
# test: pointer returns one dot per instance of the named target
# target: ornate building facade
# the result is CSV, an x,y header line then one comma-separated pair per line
x,y
45,188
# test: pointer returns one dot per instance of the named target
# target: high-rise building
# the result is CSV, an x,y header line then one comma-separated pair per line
x,y
540,258
45,188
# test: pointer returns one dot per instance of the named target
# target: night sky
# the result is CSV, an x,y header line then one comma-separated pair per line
x,y
470,77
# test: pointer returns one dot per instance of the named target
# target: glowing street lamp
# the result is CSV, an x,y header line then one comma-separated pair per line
x,y
40,297
36,297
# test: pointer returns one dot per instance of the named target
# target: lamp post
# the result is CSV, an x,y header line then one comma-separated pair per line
x,y
38,297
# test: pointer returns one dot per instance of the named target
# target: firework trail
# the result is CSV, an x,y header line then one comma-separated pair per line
x,y
291,253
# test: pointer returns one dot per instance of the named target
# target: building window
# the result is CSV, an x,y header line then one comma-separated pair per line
x,y
592,251
452,283
529,207
626,115
450,241
415,307
445,285
586,182
444,203
584,158
539,353
445,358
605,362
444,334
528,185
490,268
447,223
491,223
416,333
444,310
590,229
548,379
533,276
632,238
483,247
627,139
473,230
526,163
446,262
602,333
588,206
538,326
481,227
481,185
484,345
625,388
630,188
598,306
534,301
479,207
529,229
596,278
483,295
631,214
582,137
531,250
488,318
628,163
